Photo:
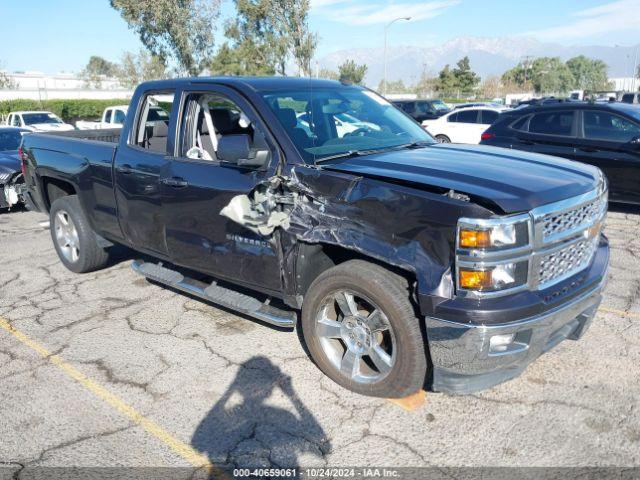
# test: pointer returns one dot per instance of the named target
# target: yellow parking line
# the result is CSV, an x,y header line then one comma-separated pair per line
x,y
621,313
185,451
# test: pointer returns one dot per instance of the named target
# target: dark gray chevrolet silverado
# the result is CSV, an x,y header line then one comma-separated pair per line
x,y
412,264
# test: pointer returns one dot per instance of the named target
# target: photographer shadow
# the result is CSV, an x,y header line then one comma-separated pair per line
x,y
245,429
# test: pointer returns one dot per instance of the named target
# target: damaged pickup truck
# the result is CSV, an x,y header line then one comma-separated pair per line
x,y
411,263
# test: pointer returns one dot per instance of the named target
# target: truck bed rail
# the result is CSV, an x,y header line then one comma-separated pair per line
x,y
109,135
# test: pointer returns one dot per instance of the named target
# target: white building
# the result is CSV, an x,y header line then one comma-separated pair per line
x,y
39,86
625,83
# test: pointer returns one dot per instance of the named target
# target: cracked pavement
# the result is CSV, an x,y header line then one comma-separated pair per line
x,y
246,394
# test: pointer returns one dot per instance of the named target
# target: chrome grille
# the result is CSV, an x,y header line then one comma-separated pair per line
x,y
556,224
566,261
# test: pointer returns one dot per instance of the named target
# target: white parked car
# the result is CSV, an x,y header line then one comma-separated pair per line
x,y
112,117
465,125
38,121
345,124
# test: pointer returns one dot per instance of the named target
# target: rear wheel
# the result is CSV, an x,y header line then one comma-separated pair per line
x,y
75,242
362,331
443,139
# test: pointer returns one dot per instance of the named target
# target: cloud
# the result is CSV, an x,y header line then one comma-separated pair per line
x,y
372,13
616,16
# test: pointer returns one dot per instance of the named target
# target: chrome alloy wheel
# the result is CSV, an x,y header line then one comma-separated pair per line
x,y
356,337
67,236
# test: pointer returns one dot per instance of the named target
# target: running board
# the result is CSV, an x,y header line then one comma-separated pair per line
x,y
216,294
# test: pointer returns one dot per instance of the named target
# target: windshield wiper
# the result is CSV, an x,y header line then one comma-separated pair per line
x,y
349,154
371,151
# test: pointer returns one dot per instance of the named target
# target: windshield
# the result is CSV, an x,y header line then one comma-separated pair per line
x,y
33,118
9,141
439,105
326,122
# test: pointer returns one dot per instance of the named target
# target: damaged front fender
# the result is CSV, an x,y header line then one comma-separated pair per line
x,y
396,224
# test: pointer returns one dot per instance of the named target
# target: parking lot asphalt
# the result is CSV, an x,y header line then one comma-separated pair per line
x,y
107,369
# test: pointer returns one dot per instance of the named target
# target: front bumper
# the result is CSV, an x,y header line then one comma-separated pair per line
x,y
465,361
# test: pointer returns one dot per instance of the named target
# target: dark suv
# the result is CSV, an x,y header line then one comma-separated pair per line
x,y
604,135
422,110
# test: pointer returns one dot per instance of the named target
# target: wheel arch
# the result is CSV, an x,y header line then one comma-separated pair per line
x,y
315,258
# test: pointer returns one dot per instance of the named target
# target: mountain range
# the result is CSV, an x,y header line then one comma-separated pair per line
x,y
488,56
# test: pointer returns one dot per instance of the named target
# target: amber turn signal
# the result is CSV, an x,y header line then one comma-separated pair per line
x,y
475,238
475,279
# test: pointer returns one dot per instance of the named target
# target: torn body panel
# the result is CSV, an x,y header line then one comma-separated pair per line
x,y
400,226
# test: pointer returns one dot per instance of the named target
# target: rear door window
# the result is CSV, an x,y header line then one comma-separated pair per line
x,y
609,127
488,117
153,124
552,123
467,116
107,116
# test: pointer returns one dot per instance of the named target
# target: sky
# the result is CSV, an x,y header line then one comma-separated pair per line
x,y
60,35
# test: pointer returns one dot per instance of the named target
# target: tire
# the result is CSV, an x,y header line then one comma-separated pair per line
x,y
74,241
443,139
337,341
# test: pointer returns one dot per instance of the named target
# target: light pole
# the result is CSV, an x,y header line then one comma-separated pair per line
x,y
386,29
634,74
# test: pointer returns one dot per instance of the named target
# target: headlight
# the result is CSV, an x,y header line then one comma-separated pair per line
x,y
492,254
493,278
493,236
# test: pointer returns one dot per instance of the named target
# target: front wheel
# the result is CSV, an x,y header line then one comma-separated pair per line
x,y
75,242
361,330
443,139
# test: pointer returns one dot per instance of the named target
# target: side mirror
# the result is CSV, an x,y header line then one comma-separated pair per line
x,y
237,149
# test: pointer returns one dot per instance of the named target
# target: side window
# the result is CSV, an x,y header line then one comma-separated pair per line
x,y
521,124
208,117
453,117
468,116
488,117
609,127
16,121
107,116
552,123
152,129
119,116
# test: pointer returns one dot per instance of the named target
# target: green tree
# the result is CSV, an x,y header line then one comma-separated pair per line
x,y
137,68
446,83
395,86
588,74
264,35
178,30
351,72
291,22
551,75
6,82
426,85
465,78
96,68
328,74
254,47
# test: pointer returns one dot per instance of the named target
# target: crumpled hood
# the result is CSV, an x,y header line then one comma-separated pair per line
x,y
9,162
516,181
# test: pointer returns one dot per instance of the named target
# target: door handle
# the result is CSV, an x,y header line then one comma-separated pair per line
x,y
588,149
125,169
175,182
525,142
